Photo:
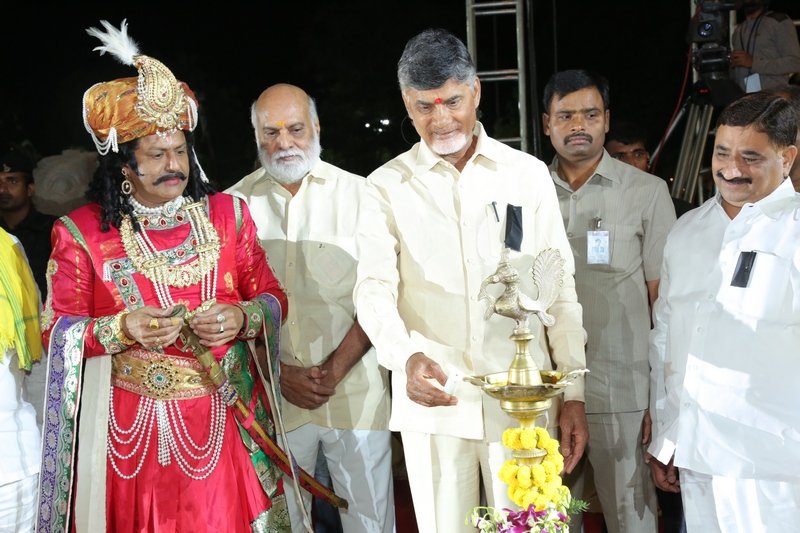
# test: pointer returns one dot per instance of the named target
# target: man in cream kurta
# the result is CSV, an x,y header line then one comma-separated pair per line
x,y
431,230
334,391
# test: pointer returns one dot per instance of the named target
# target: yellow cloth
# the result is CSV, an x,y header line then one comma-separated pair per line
x,y
19,305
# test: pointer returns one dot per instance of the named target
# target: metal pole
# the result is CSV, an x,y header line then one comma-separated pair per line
x,y
536,124
522,90
555,36
702,133
685,155
471,40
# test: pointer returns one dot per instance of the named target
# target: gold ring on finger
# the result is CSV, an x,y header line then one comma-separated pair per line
x,y
153,323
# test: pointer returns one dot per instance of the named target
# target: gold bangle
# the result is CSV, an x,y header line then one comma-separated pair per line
x,y
120,333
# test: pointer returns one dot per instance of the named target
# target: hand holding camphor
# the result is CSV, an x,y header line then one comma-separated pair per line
x,y
421,372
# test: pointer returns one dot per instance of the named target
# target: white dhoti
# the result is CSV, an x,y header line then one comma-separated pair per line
x,y
360,467
717,504
18,505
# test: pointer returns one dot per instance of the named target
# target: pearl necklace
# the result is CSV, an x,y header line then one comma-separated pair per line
x,y
168,209
174,441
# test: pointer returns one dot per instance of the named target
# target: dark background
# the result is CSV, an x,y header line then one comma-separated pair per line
x,y
344,53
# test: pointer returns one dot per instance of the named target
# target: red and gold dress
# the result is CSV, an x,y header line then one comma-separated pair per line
x,y
174,458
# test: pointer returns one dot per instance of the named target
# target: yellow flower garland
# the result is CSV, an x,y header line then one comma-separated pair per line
x,y
537,484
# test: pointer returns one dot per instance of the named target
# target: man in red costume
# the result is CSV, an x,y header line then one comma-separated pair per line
x,y
132,419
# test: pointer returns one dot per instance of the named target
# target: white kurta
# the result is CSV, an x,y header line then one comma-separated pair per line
x,y
428,236
310,242
726,360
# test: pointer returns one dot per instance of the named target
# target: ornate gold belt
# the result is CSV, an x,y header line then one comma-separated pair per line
x,y
159,376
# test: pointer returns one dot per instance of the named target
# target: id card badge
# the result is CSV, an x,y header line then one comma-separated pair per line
x,y
597,252
752,83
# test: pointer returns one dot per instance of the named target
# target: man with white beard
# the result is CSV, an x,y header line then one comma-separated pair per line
x,y
335,396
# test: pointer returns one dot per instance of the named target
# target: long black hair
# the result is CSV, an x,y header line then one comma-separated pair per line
x,y
105,187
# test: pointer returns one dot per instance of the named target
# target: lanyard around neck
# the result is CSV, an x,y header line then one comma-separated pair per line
x,y
751,36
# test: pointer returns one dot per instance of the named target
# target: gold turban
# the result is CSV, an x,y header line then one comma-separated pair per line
x,y
125,109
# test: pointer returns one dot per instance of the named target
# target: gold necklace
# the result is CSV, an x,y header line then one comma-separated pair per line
x,y
159,267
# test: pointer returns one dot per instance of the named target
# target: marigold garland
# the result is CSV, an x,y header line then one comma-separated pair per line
x,y
537,484
537,488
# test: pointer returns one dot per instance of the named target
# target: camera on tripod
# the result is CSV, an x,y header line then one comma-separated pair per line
x,y
709,30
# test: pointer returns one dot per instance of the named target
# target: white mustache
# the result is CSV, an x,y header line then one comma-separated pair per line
x,y
292,152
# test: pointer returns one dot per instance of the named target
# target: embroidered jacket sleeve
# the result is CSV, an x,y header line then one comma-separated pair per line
x,y
71,292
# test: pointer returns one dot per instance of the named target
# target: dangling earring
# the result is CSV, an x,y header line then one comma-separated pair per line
x,y
126,187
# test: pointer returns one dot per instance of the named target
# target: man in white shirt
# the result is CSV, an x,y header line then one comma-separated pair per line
x,y
724,350
431,230
334,393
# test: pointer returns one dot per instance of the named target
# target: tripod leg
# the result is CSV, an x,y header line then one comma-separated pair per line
x,y
687,145
703,126
692,151
670,131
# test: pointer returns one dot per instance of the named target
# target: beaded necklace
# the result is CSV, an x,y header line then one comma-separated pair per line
x,y
158,266
174,440
169,209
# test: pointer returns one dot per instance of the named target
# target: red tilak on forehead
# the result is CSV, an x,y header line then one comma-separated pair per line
x,y
437,101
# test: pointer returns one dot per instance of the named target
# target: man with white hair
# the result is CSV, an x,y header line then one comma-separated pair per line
x,y
334,392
